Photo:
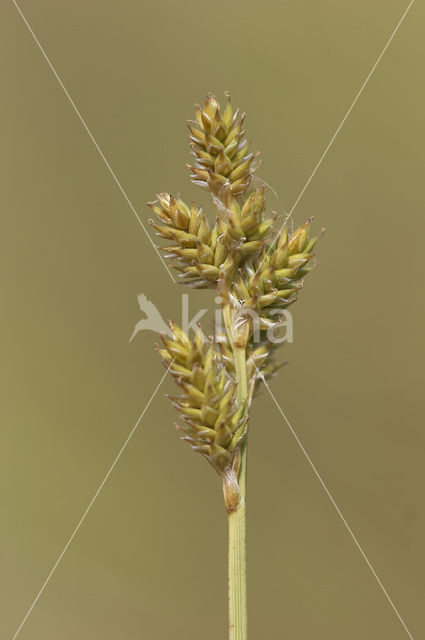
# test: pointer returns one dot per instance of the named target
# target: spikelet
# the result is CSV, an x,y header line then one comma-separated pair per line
x,y
220,147
244,225
273,281
214,423
199,251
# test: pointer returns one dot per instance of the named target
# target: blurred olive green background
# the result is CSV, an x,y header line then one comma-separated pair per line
x,y
150,559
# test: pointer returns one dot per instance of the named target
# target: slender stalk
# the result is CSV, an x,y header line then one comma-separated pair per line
x,y
237,529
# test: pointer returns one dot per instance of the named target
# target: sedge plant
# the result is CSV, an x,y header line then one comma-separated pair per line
x,y
255,275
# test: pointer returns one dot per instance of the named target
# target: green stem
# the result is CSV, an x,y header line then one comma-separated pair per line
x,y
237,527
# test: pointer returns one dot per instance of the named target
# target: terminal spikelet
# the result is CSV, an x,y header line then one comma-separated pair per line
x,y
220,147
214,422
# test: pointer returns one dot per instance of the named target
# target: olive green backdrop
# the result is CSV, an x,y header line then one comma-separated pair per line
x,y
149,561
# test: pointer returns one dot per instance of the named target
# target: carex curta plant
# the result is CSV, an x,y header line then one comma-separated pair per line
x,y
256,275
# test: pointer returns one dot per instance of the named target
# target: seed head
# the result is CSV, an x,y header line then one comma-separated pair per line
x,y
255,275
213,421
221,150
